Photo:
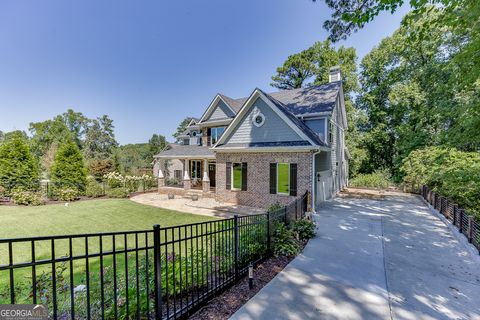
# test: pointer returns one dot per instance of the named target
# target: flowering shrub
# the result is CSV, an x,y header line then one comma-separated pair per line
x,y
67,194
132,183
27,198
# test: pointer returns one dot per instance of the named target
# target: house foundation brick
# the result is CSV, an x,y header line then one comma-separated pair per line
x,y
258,177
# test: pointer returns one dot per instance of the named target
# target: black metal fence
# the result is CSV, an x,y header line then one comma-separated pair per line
x,y
466,224
162,273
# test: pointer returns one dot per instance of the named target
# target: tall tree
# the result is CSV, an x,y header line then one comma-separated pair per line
x,y
156,144
18,167
312,67
296,71
410,93
100,140
68,169
181,128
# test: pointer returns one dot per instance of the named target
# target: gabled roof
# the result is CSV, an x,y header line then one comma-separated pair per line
x,y
235,104
305,132
302,101
212,106
305,129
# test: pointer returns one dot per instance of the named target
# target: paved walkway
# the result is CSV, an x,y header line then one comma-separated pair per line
x,y
203,206
375,259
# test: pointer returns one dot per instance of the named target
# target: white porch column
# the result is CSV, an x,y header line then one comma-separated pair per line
x,y
206,178
161,177
187,184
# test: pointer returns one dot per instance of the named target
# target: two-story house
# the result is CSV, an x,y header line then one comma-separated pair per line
x,y
263,149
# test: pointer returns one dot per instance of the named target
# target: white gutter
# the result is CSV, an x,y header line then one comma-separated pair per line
x,y
313,180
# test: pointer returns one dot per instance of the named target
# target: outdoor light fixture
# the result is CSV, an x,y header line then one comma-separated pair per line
x,y
250,276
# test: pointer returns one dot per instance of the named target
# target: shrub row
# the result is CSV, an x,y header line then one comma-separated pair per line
x,y
453,174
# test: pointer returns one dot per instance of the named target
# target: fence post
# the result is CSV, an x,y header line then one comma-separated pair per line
x,y
268,234
470,229
236,235
455,215
158,272
460,223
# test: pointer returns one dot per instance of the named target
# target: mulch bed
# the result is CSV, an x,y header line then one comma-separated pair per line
x,y
225,305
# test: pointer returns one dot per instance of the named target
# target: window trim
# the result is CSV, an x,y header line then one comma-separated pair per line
x,y
288,179
217,136
232,187
199,174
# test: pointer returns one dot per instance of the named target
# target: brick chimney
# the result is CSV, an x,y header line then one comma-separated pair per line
x,y
335,74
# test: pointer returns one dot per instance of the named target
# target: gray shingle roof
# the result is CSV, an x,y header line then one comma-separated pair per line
x,y
235,104
182,151
309,100
299,101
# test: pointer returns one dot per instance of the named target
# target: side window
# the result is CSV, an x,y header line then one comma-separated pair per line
x,y
331,131
237,176
283,178
186,141
216,133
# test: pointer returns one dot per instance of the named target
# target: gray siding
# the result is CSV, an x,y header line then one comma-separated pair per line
x,y
273,130
318,126
220,111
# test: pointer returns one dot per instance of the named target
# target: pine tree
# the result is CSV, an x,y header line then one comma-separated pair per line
x,y
68,169
18,168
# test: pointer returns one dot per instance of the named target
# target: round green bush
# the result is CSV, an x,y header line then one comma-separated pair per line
x,y
27,198
118,193
284,242
94,190
305,229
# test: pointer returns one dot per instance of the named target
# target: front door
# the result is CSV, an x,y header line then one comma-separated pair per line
x,y
211,173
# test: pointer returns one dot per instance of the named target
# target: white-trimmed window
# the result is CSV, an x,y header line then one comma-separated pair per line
x,y
283,178
196,169
216,133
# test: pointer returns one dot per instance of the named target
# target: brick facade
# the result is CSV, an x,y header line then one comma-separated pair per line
x,y
258,177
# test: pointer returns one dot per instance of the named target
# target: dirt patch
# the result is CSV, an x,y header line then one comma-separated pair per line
x,y
225,305
374,194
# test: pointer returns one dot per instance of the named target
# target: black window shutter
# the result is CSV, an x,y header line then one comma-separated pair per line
x,y
229,176
273,178
293,179
244,176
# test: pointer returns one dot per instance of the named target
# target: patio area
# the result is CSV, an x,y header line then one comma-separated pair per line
x,y
203,206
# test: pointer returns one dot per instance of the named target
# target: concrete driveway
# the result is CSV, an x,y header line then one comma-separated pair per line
x,y
376,259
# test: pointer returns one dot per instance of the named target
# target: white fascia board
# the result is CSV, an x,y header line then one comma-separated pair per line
x,y
271,149
215,123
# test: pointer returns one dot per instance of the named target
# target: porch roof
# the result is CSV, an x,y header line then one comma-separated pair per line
x,y
178,151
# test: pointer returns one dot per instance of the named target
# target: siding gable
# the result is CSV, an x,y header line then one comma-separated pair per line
x,y
220,111
275,129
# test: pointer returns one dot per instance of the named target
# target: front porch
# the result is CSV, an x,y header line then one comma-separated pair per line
x,y
185,169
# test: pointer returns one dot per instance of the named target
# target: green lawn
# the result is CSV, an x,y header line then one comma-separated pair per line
x,y
92,216
87,217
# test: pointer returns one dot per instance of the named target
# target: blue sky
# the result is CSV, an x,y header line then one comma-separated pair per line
x,y
148,64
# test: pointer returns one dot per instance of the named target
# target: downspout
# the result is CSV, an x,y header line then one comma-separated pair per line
x,y
313,180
